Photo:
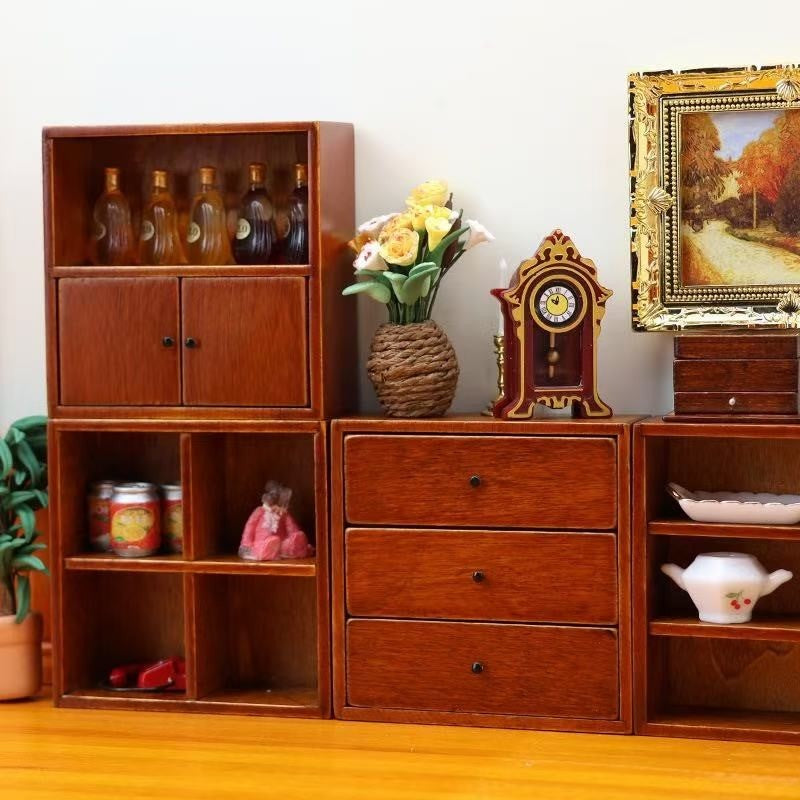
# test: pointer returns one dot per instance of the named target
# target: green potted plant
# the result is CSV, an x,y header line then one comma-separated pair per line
x,y
23,491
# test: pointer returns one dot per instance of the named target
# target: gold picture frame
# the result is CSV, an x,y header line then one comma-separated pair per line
x,y
662,299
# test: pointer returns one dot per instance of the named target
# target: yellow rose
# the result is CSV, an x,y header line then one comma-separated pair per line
x,y
420,213
430,193
400,222
437,229
401,247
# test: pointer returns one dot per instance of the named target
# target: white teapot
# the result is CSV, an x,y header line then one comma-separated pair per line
x,y
726,586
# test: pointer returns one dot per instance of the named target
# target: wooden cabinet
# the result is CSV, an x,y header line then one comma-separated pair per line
x,y
217,377
480,572
701,679
119,341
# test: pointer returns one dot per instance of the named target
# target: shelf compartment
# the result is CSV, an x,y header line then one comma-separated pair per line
x,y
87,456
116,618
725,723
772,629
258,638
77,164
228,474
233,565
687,527
110,562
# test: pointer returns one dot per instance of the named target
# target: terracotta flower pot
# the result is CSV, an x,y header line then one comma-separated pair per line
x,y
20,657
414,369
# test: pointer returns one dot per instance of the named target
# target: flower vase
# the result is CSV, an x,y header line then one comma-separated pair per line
x,y
413,368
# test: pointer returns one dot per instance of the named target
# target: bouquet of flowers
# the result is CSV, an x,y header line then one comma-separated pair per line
x,y
402,257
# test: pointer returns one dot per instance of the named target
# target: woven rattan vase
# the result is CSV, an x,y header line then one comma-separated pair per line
x,y
414,369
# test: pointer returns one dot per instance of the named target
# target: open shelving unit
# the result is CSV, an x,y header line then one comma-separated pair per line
x,y
700,679
219,378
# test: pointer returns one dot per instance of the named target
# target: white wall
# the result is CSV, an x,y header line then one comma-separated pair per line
x,y
520,105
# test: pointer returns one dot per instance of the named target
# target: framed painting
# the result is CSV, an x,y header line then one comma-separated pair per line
x,y
715,198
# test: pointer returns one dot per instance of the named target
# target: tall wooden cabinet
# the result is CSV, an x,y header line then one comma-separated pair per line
x,y
220,377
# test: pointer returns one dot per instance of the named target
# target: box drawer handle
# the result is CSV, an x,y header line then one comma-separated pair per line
x,y
477,667
475,481
478,576
732,402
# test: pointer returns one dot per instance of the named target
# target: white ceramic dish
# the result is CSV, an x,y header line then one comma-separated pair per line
x,y
743,508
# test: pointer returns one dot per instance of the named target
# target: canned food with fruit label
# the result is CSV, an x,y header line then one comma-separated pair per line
x,y
99,509
135,520
172,517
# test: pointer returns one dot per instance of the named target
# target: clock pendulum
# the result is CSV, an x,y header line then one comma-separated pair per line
x,y
552,357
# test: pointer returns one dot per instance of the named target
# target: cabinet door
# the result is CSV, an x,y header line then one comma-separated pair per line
x,y
118,341
245,342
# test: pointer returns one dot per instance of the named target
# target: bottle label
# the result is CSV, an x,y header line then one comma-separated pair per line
x,y
99,230
243,228
148,230
194,232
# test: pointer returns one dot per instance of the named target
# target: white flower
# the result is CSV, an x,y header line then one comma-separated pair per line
x,y
370,258
477,234
372,227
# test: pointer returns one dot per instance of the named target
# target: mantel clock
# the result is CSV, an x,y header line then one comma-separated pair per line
x,y
551,318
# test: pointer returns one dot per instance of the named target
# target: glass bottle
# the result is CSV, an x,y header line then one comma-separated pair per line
x,y
207,238
159,240
297,240
255,228
112,241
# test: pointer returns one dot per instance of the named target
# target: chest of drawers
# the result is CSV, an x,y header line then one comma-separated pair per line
x,y
481,572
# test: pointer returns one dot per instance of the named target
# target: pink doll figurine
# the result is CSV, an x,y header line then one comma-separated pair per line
x,y
271,532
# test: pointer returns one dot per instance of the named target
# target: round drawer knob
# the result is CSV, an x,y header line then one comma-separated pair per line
x,y
168,341
478,576
475,480
190,342
477,667
732,402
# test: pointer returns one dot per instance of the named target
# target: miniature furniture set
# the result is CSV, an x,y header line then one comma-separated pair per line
x,y
502,572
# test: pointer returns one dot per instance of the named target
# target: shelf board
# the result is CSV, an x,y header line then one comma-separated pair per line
x,y
770,629
222,565
103,562
301,698
711,722
195,271
107,695
233,565
687,527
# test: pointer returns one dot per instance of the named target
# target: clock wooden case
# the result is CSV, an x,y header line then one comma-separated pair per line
x,y
552,316
217,377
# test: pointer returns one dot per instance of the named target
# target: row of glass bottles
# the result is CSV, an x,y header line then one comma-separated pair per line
x,y
207,241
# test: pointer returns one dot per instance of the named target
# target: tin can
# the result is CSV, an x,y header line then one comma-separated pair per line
x,y
172,516
135,520
98,503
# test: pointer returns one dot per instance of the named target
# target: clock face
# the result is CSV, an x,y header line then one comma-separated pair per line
x,y
557,304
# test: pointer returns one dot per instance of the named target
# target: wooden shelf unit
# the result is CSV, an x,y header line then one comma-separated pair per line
x,y
701,679
129,399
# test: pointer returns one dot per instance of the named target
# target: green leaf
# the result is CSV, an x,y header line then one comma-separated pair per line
x,y
15,544
23,597
420,267
28,562
420,284
14,436
42,497
437,254
15,498
26,457
398,280
377,291
6,459
28,520
29,423
732,594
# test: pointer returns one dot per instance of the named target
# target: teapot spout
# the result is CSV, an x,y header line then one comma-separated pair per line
x,y
775,579
676,573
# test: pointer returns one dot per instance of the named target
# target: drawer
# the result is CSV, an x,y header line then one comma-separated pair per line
x,y
732,375
480,668
481,481
737,346
482,575
744,402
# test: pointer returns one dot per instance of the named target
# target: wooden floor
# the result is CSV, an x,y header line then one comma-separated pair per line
x,y
80,755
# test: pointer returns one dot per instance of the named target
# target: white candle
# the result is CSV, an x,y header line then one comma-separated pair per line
x,y
503,284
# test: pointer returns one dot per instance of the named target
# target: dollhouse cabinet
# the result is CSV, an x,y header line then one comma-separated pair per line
x,y
218,377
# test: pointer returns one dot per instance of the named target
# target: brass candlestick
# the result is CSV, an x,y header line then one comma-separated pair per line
x,y
500,355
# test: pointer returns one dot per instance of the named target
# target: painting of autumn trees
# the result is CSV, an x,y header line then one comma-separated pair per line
x,y
740,197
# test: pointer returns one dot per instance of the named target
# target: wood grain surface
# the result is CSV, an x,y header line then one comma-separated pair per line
x,y
524,669
51,754
482,575
251,341
737,346
111,341
731,375
743,402
496,481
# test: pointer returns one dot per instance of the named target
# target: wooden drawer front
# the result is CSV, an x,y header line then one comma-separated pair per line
x,y
525,669
745,346
475,481
745,402
775,375
481,575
